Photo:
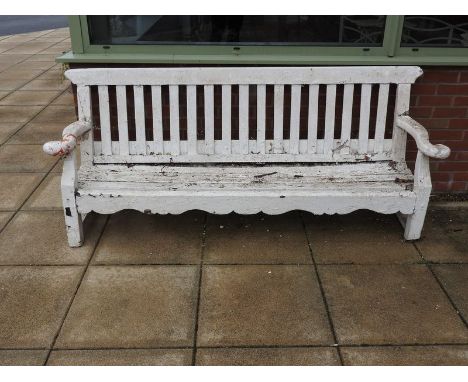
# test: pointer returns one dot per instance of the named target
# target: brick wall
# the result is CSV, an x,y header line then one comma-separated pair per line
x,y
439,101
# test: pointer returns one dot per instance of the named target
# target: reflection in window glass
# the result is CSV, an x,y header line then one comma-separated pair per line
x,y
435,31
245,30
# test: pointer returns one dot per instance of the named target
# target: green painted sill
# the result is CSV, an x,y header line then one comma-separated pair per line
x,y
252,59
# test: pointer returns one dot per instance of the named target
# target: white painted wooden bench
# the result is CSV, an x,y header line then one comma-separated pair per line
x,y
329,173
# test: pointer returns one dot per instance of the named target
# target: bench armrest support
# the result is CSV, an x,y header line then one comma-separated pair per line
x,y
69,137
421,136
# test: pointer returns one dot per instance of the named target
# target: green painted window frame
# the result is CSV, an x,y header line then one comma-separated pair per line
x,y
390,53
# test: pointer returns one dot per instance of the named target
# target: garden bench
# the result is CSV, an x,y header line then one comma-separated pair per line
x,y
245,139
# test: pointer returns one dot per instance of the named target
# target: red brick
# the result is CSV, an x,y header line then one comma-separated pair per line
x,y
461,89
440,186
421,112
449,112
434,123
419,89
435,100
441,176
460,101
446,135
438,76
453,166
458,186
459,145
464,77
461,176
461,156
455,123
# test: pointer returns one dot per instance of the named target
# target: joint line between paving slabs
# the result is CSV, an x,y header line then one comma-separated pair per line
x,y
33,116
26,200
322,291
429,266
200,274
76,291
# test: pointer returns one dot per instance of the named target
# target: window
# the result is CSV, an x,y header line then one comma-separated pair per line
x,y
270,40
340,31
435,31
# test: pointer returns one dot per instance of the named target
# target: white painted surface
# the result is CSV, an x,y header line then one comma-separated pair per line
x,y
320,175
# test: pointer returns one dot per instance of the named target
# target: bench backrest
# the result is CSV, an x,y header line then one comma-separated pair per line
x,y
247,114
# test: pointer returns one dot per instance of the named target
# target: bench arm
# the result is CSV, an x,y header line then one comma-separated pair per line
x,y
421,136
69,137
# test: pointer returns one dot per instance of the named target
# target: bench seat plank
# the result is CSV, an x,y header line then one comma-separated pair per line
x,y
247,189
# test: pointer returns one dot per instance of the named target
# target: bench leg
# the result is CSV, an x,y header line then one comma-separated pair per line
x,y
73,219
74,226
414,222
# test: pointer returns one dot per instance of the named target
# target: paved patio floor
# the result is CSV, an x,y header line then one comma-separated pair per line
x,y
204,289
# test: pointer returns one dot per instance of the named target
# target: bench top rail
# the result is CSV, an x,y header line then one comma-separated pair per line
x,y
245,75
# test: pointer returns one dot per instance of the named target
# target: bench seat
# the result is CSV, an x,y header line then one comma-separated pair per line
x,y
273,189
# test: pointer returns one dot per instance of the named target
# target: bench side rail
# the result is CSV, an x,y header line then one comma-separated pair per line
x,y
307,121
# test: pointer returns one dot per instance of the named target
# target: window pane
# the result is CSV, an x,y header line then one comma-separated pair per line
x,y
238,30
435,31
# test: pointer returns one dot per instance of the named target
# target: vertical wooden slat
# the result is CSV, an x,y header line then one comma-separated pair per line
x,y
329,120
364,115
209,119
381,118
399,135
346,118
192,119
278,119
106,141
85,114
261,104
140,144
226,118
174,119
122,119
312,119
244,119
157,119
295,119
